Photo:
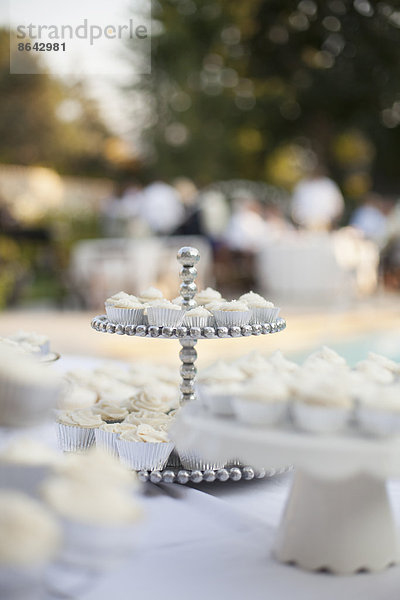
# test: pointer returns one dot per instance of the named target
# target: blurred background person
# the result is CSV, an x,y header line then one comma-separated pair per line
x,y
161,208
317,202
372,218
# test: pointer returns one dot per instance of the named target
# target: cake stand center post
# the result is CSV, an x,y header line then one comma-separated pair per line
x,y
188,257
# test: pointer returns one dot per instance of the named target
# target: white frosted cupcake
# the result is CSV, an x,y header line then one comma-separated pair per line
x,y
34,339
232,313
378,410
77,396
156,397
25,463
206,296
29,390
151,294
99,520
106,435
127,311
384,362
198,317
253,364
262,401
324,357
164,313
375,372
30,538
262,310
110,411
178,301
75,429
144,449
322,405
115,297
218,397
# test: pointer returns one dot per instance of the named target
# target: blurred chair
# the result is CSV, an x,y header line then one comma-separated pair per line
x,y
100,268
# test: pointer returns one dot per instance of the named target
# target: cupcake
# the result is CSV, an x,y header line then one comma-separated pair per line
x,y
106,435
127,311
156,397
378,410
206,296
217,386
178,301
254,364
37,340
29,390
282,365
99,519
232,313
110,411
262,311
76,397
25,463
75,429
115,297
198,317
193,461
375,372
144,449
322,405
31,538
150,295
164,313
262,401
324,356
384,362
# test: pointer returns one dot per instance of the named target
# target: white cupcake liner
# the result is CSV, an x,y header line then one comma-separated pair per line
x,y
96,546
19,582
165,316
22,404
72,438
377,421
197,321
144,456
229,318
125,316
264,315
193,461
320,419
24,478
256,413
107,440
217,404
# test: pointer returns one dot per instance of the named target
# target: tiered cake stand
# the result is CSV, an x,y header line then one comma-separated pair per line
x,y
188,258
338,516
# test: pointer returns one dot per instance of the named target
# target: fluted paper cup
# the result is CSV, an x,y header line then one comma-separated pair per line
x,y
264,315
256,413
320,419
125,316
165,316
198,321
193,461
72,438
107,440
229,318
96,546
22,404
144,456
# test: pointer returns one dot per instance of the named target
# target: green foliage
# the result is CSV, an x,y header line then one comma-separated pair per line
x,y
32,130
234,81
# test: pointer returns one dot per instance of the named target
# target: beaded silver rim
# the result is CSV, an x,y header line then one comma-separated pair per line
x,y
101,323
183,476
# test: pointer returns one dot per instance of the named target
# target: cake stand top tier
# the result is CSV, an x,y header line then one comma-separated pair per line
x,y
102,323
324,456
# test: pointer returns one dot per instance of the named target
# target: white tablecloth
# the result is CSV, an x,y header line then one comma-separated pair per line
x,y
214,542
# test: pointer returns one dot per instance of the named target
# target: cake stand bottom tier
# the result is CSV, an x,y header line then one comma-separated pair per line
x,y
182,476
342,526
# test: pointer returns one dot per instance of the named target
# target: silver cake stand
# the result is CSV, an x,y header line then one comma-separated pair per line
x,y
188,257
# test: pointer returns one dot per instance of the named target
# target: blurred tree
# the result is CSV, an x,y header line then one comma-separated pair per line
x,y
241,89
45,122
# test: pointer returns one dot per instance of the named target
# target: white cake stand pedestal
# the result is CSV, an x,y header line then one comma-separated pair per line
x,y
338,516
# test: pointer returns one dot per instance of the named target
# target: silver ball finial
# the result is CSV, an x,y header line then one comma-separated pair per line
x,y
188,256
